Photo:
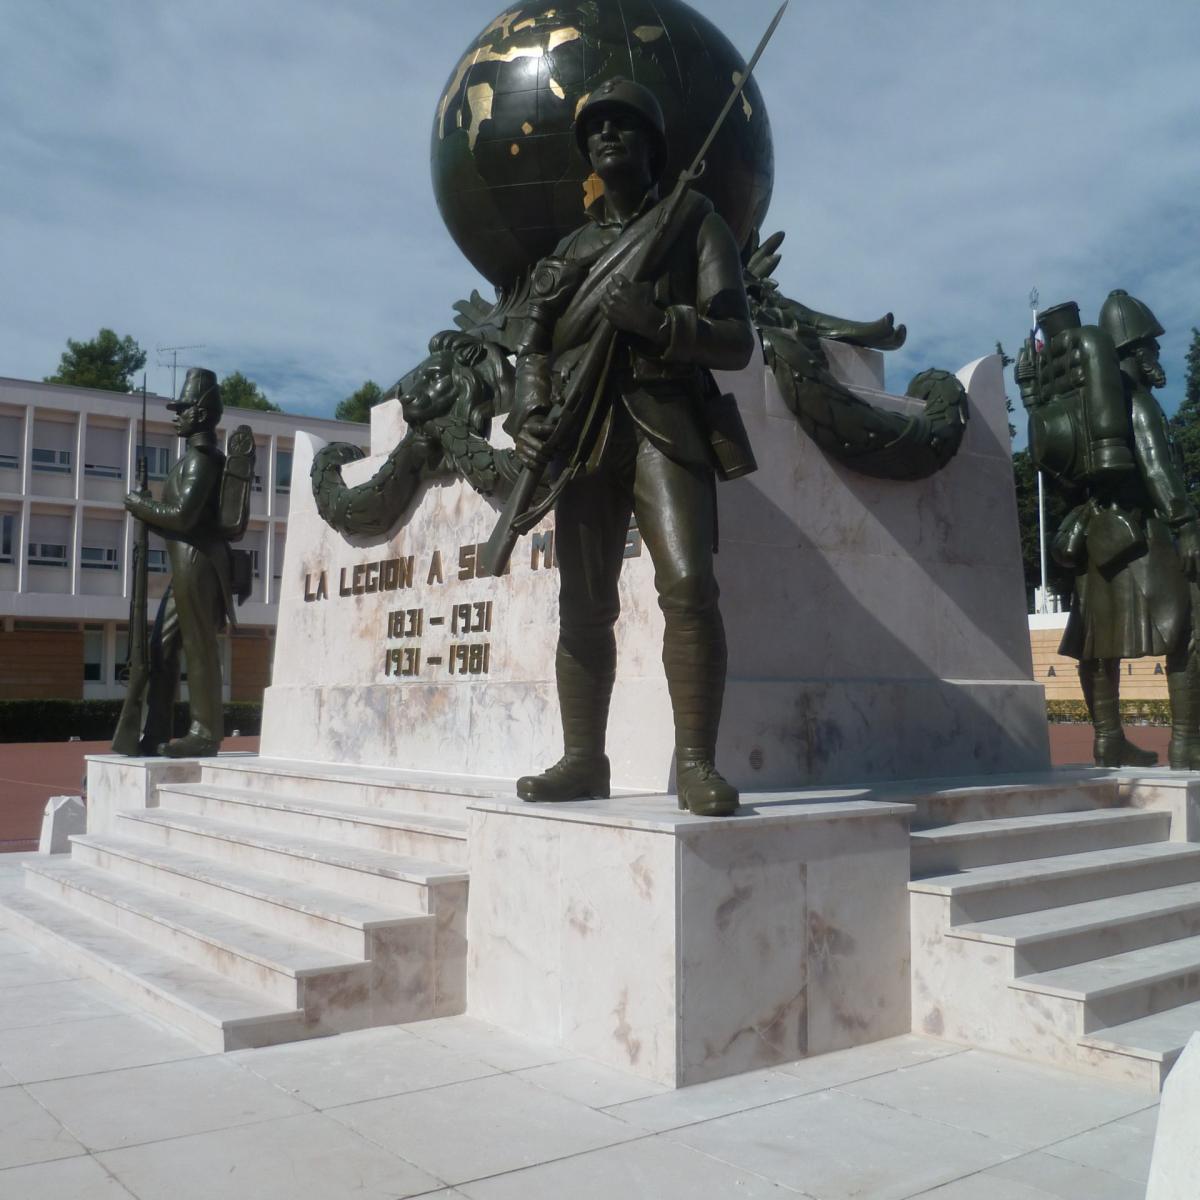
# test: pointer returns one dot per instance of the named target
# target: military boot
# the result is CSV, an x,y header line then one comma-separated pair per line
x,y
585,683
1183,687
191,745
694,659
1100,680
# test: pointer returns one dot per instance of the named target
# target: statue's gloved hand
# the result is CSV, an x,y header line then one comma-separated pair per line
x,y
629,307
1189,549
530,443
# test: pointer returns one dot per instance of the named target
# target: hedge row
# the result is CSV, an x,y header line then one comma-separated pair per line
x,y
1133,712
95,720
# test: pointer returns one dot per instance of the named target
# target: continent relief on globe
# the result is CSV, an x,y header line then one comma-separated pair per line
x,y
509,180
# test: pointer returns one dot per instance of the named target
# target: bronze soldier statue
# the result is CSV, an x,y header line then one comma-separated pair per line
x,y
199,600
1133,542
663,436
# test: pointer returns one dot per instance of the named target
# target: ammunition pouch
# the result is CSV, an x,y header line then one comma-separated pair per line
x,y
733,455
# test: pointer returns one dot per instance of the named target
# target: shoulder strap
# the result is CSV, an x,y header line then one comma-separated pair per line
x,y
636,254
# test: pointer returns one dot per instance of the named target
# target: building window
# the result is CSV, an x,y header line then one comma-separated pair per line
x,y
156,562
158,460
47,554
93,655
99,558
57,461
121,657
6,537
283,471
103,470
9,460
254,562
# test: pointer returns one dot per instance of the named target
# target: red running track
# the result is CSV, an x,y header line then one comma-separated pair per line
x,y
32,772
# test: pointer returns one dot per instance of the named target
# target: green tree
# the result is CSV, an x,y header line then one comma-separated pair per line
x,y
106,362
1185,424
239,392
357,407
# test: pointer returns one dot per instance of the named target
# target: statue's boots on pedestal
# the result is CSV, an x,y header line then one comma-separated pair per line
x,y
1100,680
585,682
192,745
694,658
1183,687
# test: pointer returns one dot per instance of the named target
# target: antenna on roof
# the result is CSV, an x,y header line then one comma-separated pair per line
x,y
173,351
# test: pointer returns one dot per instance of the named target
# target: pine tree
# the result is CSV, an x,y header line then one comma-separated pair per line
x,y
1185,424
107,362
357,407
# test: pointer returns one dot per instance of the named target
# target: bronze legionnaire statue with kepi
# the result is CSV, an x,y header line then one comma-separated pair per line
x,y
657,286
1132,540
204,506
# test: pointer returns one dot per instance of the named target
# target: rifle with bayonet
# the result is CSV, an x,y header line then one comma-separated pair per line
x,y
578,408
127,739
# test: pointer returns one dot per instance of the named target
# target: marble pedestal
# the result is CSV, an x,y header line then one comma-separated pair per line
x,y
1175,1168
117,785
876,629
685,949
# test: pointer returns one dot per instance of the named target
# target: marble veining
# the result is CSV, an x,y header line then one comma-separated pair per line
x,y
887,639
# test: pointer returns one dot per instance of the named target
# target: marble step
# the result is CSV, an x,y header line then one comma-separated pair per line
x,y
374,875
219,1014
251,956
379,787
339,923
1159,1038
418,835
944,802
982,893
1059,937
1124,987
1045,835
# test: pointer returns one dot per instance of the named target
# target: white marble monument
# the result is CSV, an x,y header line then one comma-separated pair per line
x,y
1175,1167
64,816
684,948
876,628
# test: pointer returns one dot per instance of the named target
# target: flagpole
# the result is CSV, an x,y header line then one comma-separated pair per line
x,y
1043,603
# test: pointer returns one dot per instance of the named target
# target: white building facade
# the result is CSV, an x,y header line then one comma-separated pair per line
x,y
67,457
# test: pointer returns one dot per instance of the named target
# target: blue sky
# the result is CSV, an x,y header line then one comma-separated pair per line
x,y
254,177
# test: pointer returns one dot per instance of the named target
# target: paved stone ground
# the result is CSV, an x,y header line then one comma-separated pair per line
x,y
98,1102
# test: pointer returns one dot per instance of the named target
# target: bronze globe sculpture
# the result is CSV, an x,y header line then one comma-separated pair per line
x,y
510,181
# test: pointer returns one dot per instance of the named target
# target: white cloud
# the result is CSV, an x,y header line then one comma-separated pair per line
x,y
255,177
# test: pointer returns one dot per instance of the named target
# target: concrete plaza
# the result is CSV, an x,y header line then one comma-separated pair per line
x,y
98,1102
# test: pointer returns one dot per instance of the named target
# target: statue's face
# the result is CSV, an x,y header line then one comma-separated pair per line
x,y
1146,354
192,418
618,142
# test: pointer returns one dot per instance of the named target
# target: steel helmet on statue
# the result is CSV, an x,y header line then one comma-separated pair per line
x,y
624,95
